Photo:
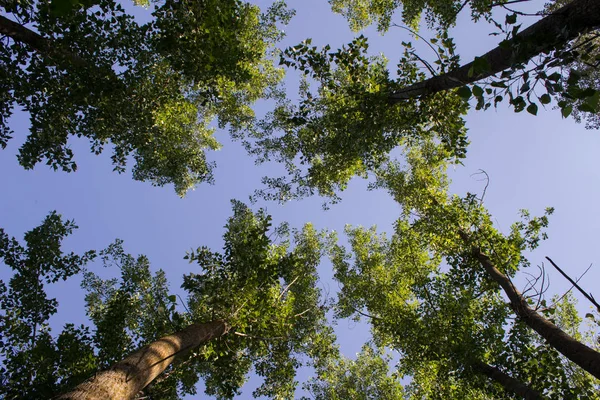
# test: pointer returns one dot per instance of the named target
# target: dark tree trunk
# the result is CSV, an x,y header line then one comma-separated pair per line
x,y
46,47
579,353
509,383
128,377
565,24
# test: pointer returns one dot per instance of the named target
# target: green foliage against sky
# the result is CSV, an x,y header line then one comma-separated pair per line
x,y
156,92
152,91
438,13
366,377
267,291
427,297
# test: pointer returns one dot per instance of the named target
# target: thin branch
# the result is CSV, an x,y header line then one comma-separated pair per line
x,y
183,303
259,337
487,183
365,314
462,6
302,313
587,295
568,291
509,2
425,63
287,288
539,14
421,37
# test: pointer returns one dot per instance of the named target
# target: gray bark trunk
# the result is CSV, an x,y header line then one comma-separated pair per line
x,y
128,377
579,353
565,24
509,383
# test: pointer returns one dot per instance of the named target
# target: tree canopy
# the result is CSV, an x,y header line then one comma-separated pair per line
x,y
150,90
441,294
267,293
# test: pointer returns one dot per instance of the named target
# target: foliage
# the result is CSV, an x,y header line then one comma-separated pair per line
x,y
34,363
567,72
268,293
584,68
438,13
427,297
367,377
151,90
349,127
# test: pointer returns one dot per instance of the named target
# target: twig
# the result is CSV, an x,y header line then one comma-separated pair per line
x,y
578,279
487,183
183,303
302,313
421,37
287,288
587,295
259,337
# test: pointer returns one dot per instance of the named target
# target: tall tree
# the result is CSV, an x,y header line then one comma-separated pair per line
x,y
562,36
460,231
454,334
257,305
554,31
151,90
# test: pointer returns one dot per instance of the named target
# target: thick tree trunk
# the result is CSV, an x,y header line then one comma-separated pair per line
x,y
579,353
509,383
128,377
577,17
46,47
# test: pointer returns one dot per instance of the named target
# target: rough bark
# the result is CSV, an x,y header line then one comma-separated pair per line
x,y
46,47
565,24
579,353
509,383
128,377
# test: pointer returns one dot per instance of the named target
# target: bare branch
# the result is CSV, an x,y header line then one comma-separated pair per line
x,y
583,292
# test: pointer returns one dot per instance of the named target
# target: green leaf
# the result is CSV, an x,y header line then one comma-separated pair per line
x,y
545,98
464,92
511,18
477,91
532,109
555,77
566,111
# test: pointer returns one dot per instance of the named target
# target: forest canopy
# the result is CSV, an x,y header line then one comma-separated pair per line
x,y
455,301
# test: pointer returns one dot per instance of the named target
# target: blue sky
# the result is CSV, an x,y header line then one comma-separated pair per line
x,y
533,162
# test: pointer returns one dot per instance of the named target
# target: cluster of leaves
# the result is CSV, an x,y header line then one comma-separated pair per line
x,y
349,126
127,313
150,90
367,377
131,311
438,13
34,363
268,294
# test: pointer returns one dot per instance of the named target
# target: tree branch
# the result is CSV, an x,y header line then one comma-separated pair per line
x,y
587,295
46,47
568,22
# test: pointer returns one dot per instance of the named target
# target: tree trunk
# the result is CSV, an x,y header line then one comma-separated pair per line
x,y
509,383
127,378
46,47
579,353
563,25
